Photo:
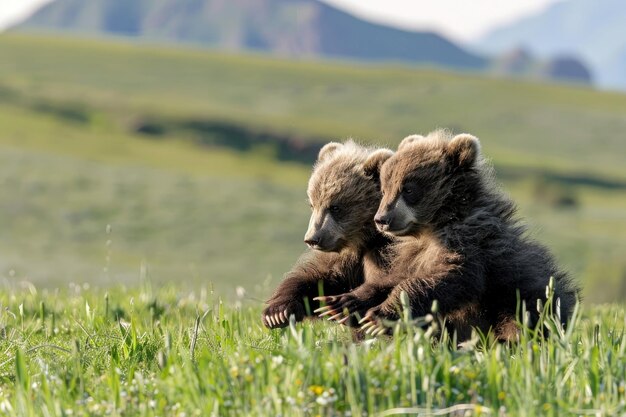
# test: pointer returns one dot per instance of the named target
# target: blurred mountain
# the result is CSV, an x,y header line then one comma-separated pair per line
x,y
566,68
592,30
519,62
287,27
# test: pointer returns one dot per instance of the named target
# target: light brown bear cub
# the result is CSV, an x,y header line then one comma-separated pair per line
x,y
460,243
345,246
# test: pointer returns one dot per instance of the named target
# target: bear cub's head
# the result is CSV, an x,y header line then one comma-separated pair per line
x,y
344,193
426,182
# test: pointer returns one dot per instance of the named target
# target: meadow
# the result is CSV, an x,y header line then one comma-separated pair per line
x,y
153,197
156,352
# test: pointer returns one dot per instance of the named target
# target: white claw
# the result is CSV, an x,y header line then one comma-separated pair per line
x,y
367,325
343,320
327,313
379,331
286,315
321,309
276,319
336,316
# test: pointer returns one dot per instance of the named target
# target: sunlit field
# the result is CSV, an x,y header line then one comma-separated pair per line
x,y
149,352
153,197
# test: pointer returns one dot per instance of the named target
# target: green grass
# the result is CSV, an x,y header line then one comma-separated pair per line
x,y
171,352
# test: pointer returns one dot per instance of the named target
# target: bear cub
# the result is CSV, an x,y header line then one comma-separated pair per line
x,y
345,246
459,243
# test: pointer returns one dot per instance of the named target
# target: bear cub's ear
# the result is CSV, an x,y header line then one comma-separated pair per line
x,y
464,150
409,140
327,150
372,165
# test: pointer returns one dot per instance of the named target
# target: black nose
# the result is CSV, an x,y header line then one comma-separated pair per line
x,y
312,241
381,220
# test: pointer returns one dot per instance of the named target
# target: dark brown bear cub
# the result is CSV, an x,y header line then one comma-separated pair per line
x,y
460,242
346,247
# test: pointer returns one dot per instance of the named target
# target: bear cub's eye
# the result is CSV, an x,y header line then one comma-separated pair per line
x,y
411,192
333,209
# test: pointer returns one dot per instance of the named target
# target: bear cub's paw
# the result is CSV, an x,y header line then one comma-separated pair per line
x,y
343,308
378,320
276,315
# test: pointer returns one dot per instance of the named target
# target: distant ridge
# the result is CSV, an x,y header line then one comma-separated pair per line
x,y
591,30
306,28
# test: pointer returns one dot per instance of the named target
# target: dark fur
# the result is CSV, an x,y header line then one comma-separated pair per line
x,y
461,242
350,250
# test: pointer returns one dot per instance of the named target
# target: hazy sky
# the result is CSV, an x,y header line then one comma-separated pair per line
x,y
458,19
14,10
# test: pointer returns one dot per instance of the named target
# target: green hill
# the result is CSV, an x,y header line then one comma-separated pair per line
x,y
192,157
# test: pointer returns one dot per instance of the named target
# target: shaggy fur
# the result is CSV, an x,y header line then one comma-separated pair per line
x,y
460,243
346,247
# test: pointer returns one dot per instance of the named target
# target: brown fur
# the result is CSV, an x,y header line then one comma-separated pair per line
x,y
460,241
346,246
